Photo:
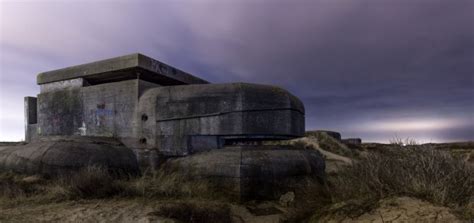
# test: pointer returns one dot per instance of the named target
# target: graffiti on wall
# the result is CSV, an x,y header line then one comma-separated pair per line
x,y
101,113
162,68
83,129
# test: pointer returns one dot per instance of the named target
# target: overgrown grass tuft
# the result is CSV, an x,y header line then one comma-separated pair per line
x,y
94,182
416,171
425,173
398,141
14,186
166,183
91,182
196,213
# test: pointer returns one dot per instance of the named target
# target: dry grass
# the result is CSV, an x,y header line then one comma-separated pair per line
x,y
91,182
189,200
96,183
402,168
166,183
195,213
328,143
424,173
12,185
415,171
322,140
398,141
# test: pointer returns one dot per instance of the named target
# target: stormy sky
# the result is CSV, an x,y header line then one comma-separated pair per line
x,y
375,69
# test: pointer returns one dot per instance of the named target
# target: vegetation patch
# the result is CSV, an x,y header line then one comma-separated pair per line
x,y
420,172
195,212
416,171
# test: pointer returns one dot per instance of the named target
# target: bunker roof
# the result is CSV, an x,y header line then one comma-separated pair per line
x,y
122,68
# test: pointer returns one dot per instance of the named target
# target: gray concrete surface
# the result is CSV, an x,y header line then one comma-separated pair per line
x,y
63,155
179,120
133,112
254,172
352,141
122,68
213,115
31,118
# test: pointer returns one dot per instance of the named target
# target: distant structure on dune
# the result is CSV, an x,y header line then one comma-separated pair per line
x,y
350,142
133,112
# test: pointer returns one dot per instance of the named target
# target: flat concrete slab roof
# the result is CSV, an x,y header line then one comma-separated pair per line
x,y
122,68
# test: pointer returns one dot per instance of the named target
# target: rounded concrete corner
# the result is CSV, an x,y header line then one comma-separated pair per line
x,y
57,155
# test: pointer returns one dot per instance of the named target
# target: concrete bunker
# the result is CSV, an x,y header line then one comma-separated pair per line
x,y
352,141
160,112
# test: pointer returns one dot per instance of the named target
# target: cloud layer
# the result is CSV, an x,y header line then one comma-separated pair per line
x,y
355,64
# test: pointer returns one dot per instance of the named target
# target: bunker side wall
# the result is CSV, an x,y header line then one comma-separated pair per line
x,y
179,137
106,110
186,119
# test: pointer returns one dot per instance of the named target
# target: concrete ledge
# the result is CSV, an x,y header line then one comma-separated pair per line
x,y
122,68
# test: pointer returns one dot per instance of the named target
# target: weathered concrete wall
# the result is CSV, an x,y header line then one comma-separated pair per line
x,y
31,118
159,121
106,110
122,68
254,172
64,154
109,98
31,132
60,112
98,113
109,109
177,116
63,85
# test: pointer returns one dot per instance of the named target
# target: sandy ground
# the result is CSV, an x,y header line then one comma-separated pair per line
x,y
123,210
86,211
394,210
400,210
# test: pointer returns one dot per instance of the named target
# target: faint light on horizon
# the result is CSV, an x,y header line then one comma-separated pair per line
x,y
413,125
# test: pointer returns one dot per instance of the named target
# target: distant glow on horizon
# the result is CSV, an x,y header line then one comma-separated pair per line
x,y
413,125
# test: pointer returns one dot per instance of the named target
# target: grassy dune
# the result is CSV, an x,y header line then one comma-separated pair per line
x,y
365,182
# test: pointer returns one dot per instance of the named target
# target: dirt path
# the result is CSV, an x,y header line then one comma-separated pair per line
x,y
399,210
131,210
80,211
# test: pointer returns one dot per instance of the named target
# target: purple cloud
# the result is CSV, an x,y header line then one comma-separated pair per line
x,y
354,63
